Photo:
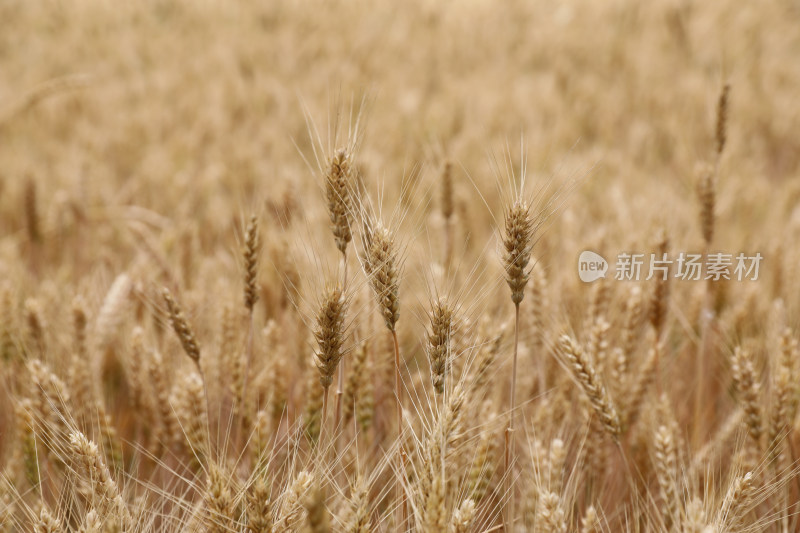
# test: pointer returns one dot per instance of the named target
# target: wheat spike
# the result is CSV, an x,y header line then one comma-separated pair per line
x,y
91,523
329,333
462,519
737,503
518,243
666,473
586,376
112,312
552,518
106,493
32,219
646,376
317,511
441,324
338,193
259,506
182,329
555,465
46,522
34,320
188,402
721,133
695,517
748,388
706,195
292,511
219,501
356,516
481,470
382,267
784,396
252,245
660,294
590,523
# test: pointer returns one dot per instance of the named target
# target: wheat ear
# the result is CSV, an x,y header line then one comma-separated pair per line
x,y
104,488
747,385
329,334
46,522
721,130
736,503
448,208
259,506
219,501
182,328
590,523
552,517
356,517
441,319
666,473
585,374
463,517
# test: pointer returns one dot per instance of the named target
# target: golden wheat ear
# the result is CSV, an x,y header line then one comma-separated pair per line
x,y
584,373
106,494
181,327
252,246
46,522
721,130
329,333
338,192
748,387
439,355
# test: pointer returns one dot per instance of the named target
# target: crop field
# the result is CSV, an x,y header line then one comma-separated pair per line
x,y
422,266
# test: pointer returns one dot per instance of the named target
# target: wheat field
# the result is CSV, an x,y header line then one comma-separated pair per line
x,y
317,266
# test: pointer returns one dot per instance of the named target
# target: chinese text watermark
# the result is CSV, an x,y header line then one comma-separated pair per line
x,y
683,266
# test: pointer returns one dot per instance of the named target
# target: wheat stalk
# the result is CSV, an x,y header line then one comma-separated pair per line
x,y
517,245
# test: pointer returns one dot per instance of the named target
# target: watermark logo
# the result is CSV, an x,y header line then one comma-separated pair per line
x,y
591,266
684,266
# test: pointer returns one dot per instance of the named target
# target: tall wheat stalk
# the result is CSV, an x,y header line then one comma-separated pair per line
x,y
382,267
517,243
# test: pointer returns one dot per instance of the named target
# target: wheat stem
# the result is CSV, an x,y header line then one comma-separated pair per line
x,y
340,377
509,435
398,388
